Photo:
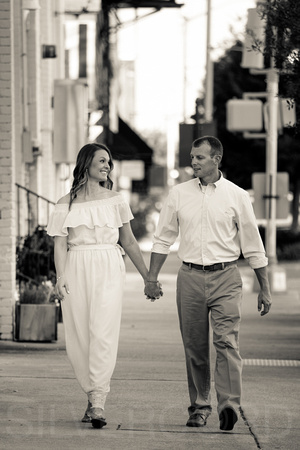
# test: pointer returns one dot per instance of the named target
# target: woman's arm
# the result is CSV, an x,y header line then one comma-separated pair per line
x,y
132,249
60,256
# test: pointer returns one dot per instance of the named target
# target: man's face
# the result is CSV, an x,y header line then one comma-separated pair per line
x,y
202,163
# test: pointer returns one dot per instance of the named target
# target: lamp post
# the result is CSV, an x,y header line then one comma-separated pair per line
x,y
208,100
271,163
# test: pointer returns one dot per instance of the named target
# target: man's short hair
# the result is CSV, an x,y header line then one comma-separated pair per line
x,y
215,144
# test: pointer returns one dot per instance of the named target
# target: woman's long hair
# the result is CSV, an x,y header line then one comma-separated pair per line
x,y
83,162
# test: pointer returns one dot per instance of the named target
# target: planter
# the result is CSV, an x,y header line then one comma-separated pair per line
x,y
36,322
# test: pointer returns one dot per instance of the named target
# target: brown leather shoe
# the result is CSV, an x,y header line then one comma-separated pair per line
x,y
97,419
198,419
228,418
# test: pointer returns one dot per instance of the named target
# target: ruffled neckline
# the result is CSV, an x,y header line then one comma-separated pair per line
x,y
113,200
111,212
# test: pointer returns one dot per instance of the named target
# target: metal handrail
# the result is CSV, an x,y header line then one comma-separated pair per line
x,y
32,210
29,216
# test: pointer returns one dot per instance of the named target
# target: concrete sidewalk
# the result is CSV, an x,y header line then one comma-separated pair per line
x,y
42,404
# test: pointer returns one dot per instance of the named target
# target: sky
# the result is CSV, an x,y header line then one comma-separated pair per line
x,y
169,50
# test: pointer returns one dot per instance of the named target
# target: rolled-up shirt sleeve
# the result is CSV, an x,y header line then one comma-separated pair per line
x,y
167,229
251,243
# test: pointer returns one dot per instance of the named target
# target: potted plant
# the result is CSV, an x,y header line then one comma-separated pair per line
x,y
37,311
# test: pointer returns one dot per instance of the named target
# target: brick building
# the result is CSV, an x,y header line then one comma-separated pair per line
x,y
32,57
52,69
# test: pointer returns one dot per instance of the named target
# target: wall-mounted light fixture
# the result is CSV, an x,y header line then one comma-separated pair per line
x,y
48,51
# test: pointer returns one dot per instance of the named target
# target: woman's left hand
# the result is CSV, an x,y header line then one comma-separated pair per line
x,y
61,288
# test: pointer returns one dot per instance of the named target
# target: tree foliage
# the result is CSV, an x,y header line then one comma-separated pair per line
x,y
243,157
283,45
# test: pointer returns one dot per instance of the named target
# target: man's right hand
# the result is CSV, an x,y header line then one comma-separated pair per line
x,y
153,290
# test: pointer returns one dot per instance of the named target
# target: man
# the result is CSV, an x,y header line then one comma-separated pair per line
x,y
216,223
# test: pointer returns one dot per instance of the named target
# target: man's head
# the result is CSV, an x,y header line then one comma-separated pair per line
x,y
206,155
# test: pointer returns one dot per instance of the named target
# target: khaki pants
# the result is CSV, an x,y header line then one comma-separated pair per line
x,y
218,293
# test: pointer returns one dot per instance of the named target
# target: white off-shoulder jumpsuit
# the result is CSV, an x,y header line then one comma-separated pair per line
x,y
95,273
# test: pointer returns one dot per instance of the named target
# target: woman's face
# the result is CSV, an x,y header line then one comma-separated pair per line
x,y
99,167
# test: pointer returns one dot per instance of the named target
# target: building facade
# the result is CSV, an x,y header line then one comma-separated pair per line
x,y
33,60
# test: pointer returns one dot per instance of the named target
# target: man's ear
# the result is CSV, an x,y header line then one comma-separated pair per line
x,y
218,159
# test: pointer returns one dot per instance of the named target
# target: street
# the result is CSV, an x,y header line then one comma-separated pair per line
x,y
42,403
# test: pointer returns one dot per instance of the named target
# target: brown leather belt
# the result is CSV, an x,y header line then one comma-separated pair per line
x,y
217,266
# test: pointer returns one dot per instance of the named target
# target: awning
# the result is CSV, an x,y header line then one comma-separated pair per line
x,y
127,145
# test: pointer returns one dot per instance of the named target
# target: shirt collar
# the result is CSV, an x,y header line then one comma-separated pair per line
x,y
216,183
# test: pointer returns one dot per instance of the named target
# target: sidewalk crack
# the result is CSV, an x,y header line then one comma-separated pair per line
x,y
249,427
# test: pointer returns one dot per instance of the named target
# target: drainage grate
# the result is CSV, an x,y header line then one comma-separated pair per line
x,y
271,362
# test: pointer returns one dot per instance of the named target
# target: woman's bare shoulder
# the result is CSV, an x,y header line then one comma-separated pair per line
x,y
64,200
115,194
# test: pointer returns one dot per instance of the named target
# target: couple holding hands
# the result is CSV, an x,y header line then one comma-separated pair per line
x,y
216,223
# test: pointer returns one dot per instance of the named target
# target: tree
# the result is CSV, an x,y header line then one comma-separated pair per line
x,y
283,45
242,156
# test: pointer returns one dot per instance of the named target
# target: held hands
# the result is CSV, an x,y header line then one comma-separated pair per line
x,y
61,288
153,290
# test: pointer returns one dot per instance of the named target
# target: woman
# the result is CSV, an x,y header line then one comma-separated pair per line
x,y
87,224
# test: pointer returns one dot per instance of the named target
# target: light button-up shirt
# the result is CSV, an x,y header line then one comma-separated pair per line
x,y
216,223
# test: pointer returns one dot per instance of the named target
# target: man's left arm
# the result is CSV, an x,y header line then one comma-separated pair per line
x,y
264,300
253,250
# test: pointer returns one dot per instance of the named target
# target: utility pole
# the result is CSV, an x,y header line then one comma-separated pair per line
x,y
271,162
255,62
184,90
209,69
103,31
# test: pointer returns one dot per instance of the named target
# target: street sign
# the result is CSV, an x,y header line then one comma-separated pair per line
x,y
261,196
244,115
133,169
252,57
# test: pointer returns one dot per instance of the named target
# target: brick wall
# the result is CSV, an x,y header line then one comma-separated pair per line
x,y
7,176
20,59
